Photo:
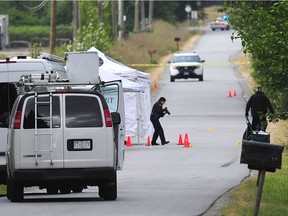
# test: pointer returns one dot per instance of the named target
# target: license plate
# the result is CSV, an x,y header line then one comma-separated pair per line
x,y
85,144
80,145
186,73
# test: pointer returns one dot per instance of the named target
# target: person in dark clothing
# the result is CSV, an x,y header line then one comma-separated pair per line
x,y
259,104
156,113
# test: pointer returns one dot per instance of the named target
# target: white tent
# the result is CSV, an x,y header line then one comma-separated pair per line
x,y
137,105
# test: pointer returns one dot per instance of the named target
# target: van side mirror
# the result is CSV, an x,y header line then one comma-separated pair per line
x,y
202,61
116,119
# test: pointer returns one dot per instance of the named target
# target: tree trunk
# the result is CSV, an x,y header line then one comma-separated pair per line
x,y
136,16
52,43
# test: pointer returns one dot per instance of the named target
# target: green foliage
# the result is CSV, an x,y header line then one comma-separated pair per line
x,y
20,14
30,32
35,50
2,56
93,33
263,29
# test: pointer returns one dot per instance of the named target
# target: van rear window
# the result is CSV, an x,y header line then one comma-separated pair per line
x,y
82,111
43,113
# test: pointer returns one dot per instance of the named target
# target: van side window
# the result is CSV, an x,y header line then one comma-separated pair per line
x,y
8,95
43,113
82,111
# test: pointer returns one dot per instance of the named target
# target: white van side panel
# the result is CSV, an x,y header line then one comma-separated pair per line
x,y
12,72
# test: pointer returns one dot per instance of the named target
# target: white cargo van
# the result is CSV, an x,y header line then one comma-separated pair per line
x,y
11,71
65,138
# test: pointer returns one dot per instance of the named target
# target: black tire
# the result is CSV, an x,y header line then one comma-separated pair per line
x,y
172,79
109,192
52,190
213,29
77,189
201,78
15,191
65,190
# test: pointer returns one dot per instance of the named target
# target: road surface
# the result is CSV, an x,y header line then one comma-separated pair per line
x,y
172,180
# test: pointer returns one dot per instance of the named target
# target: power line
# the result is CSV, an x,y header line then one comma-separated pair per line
x,y
36,8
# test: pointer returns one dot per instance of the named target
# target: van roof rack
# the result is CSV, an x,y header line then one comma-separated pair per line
x,y
29,81
50,57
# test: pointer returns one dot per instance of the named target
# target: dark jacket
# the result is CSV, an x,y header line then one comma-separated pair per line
x,y
157,111
258,102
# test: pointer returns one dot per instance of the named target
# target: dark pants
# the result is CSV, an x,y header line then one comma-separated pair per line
x,y
158,131
259,123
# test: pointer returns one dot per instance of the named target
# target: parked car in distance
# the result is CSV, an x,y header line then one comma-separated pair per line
x,y
186,64
220,23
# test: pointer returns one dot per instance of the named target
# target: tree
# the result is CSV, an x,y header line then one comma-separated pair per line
x,y
263,29
93,33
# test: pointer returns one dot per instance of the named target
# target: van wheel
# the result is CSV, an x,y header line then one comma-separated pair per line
x,y
172,79
201,78
77,189
52,190
109,192
15,191
65,190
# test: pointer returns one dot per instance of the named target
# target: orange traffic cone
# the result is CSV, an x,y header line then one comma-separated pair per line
x,y
234,93
155,85
128,142
180,141
229,94
148,141
186,141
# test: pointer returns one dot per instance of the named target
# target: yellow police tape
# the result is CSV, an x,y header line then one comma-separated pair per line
x,y
204,64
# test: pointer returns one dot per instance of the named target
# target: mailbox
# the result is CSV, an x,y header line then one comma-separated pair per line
x,y
261,155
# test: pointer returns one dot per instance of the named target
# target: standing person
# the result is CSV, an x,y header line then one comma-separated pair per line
x,y
259,104
156,113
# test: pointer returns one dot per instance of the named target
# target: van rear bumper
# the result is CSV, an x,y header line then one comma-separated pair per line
x,y
91,176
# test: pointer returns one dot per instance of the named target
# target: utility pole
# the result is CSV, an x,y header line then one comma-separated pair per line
x,y
114,19
136,16
52,43
150,15
120,18
100,11
76,19
142,6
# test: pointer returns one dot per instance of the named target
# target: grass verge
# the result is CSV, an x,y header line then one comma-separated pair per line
x,y
274,197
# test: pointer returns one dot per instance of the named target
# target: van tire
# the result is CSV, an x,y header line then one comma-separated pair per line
x,y
77,189
15,191
52,190
109,192
65,190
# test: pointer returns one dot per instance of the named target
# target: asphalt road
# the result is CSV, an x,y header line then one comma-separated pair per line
x,y
172,180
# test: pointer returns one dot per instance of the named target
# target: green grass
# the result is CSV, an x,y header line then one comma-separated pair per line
x,y
2,190
274,196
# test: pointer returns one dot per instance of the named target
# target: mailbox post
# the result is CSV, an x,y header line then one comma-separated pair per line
x,y
263,157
